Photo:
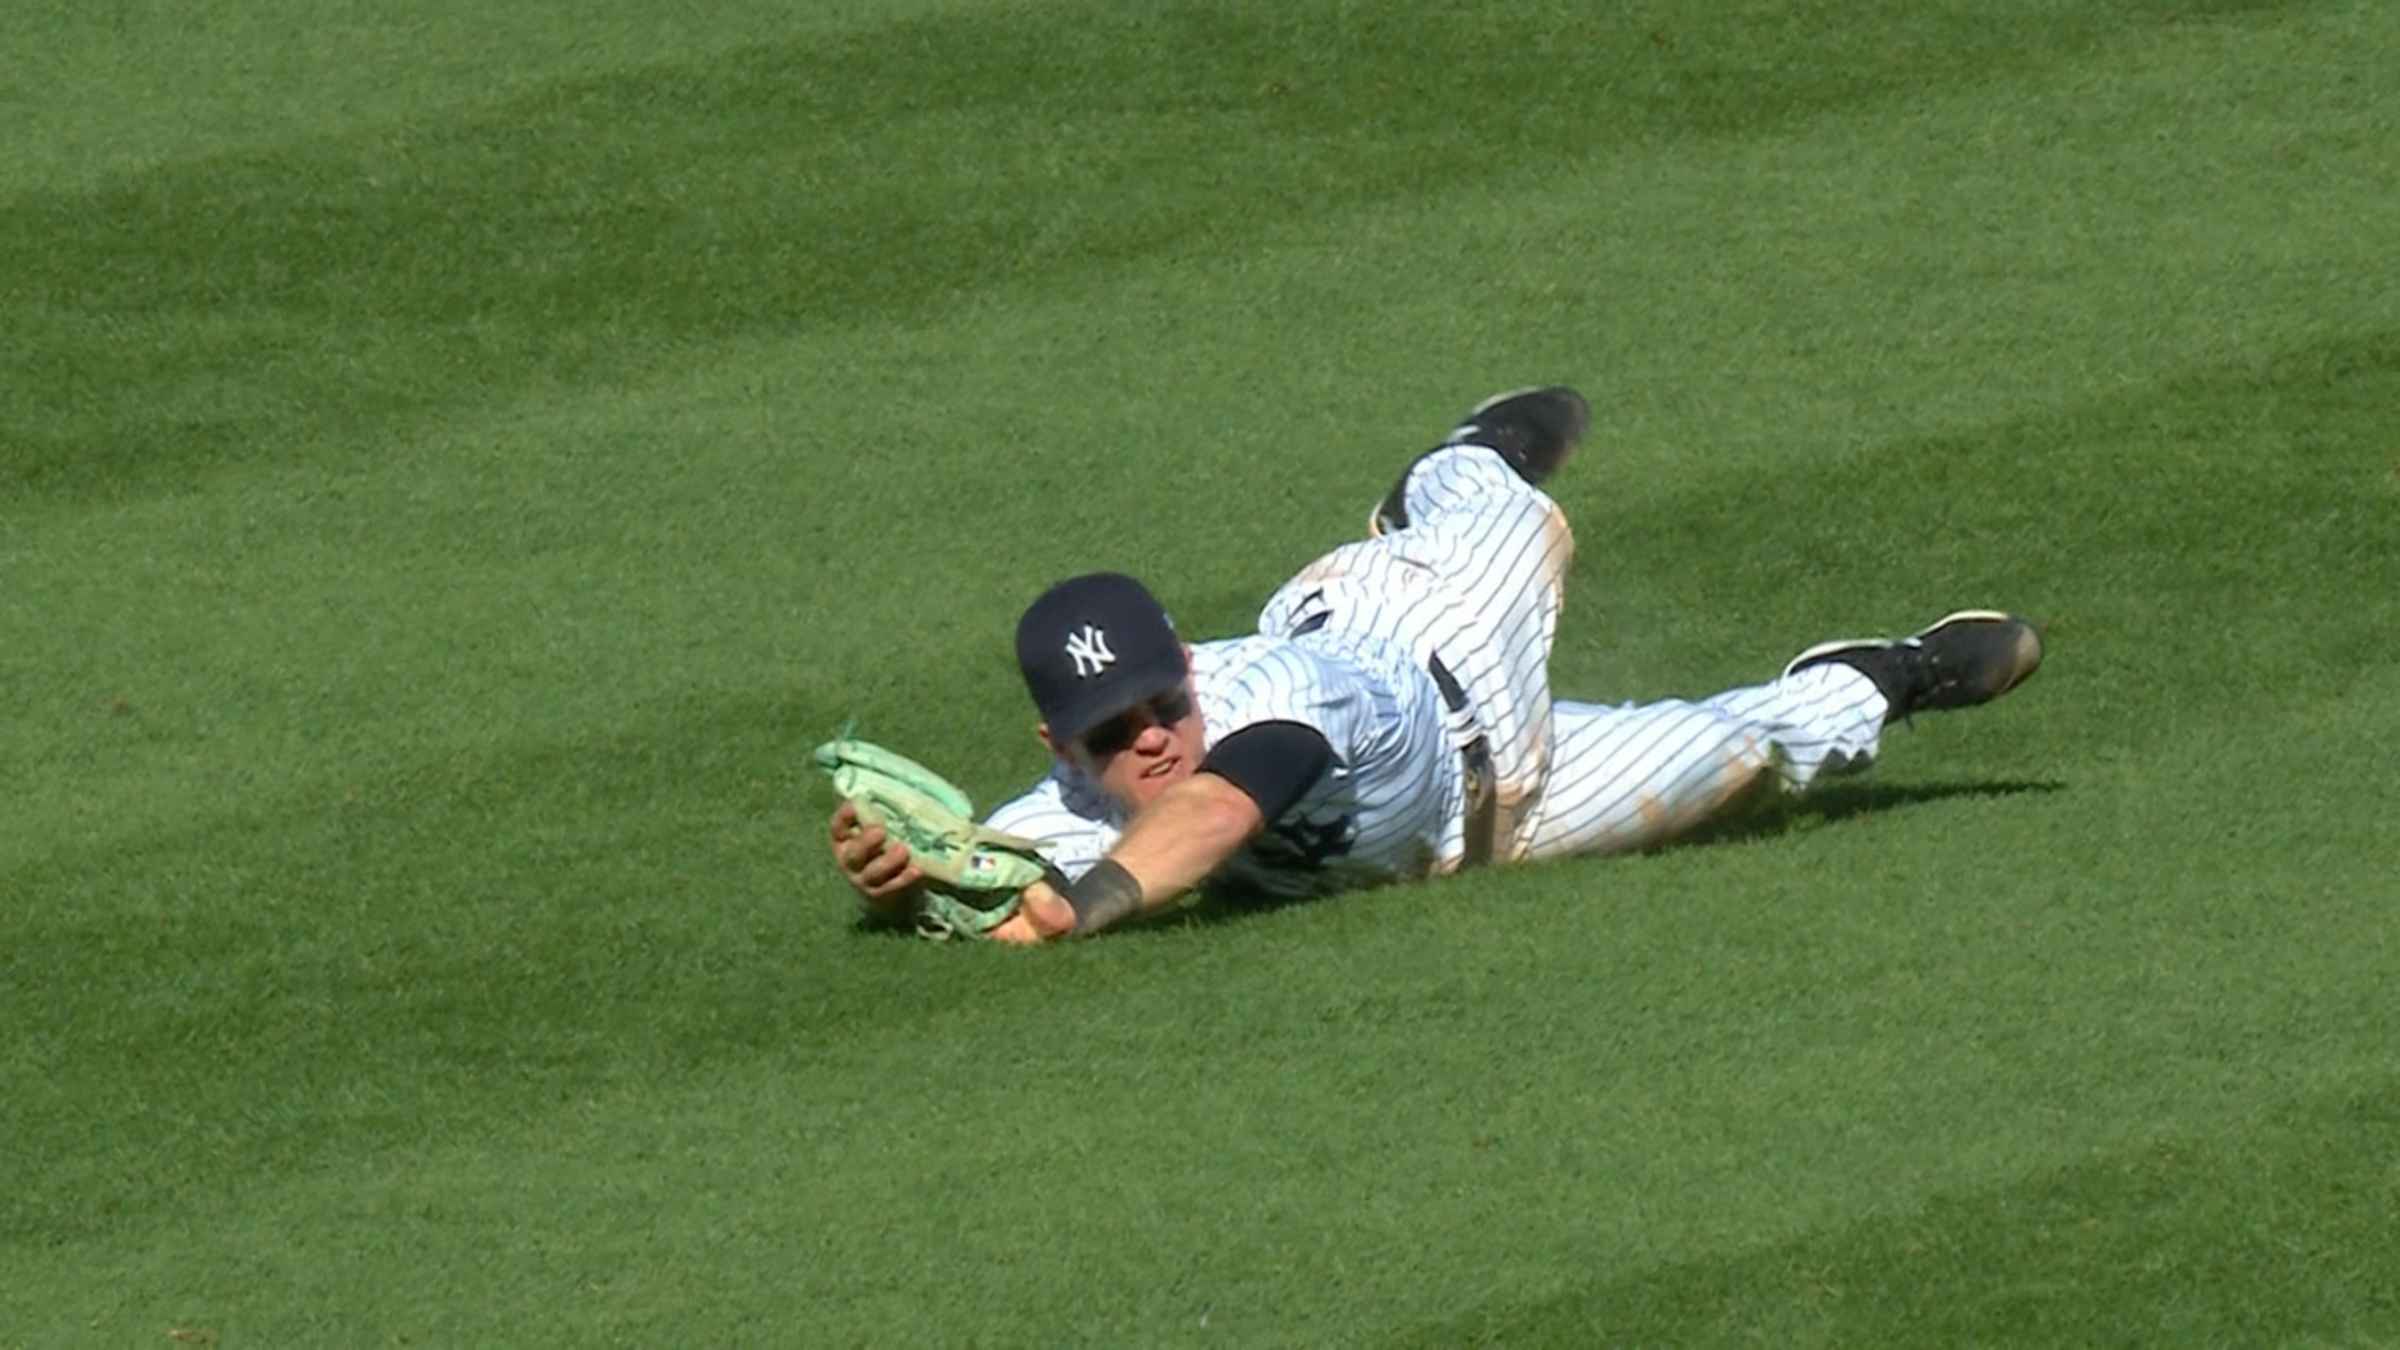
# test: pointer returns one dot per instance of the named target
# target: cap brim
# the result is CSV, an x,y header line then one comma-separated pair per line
x,y
1132,686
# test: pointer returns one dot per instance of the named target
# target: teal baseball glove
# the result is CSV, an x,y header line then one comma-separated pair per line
x,y
975,877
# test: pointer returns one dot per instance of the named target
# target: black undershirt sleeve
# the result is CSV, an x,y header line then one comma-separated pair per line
x,y
1273,763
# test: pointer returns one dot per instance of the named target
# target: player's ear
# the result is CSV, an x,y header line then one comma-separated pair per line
x,y
1042,729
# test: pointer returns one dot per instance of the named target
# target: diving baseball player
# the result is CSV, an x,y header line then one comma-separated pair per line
x,y
1392,717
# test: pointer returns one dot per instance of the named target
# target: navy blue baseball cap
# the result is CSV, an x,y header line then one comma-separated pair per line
x,y
1093,646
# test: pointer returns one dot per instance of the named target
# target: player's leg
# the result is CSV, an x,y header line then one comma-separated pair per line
x,y
1475,584
1635,776
1505,444
1493,551
1477,556
1464,514
1638,775
1467,573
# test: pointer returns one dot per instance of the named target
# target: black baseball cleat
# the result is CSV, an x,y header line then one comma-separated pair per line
x,y
1533,429
1966,658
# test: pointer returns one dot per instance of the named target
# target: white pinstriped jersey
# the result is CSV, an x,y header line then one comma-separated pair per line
x,y
1378,814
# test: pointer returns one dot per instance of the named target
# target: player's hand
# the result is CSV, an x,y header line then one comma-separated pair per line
x,y
876,867
1042,915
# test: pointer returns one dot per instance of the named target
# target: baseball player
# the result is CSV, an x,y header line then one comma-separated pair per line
x,y
1391,718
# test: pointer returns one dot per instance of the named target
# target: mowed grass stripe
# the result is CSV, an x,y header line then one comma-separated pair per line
x,y
2318,371
1889,1026
2274,1233
1916,502
564,543
1355,1067
587,232
129,88
504,929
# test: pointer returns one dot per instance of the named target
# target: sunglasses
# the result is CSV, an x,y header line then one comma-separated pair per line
x,y
1115,735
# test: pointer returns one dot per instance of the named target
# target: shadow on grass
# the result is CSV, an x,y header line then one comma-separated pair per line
x,y
1823,806
1841,800
1213,908
1768,820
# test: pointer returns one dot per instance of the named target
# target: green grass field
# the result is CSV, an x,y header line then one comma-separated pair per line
x,y
455,464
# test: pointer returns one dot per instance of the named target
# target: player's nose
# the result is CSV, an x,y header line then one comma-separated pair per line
x,y
1153,739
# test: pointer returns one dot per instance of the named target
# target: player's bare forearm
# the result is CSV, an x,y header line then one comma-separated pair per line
x,y
1172,846
1185,836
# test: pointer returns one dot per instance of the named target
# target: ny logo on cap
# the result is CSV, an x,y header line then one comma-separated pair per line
x,y
1090,652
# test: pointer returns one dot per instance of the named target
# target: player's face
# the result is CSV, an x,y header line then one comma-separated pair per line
x,y
1146,749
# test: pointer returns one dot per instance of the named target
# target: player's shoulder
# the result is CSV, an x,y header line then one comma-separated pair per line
x,y
1275,679
1228,668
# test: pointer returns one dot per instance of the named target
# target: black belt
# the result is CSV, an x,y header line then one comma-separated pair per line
x,y
1480,784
